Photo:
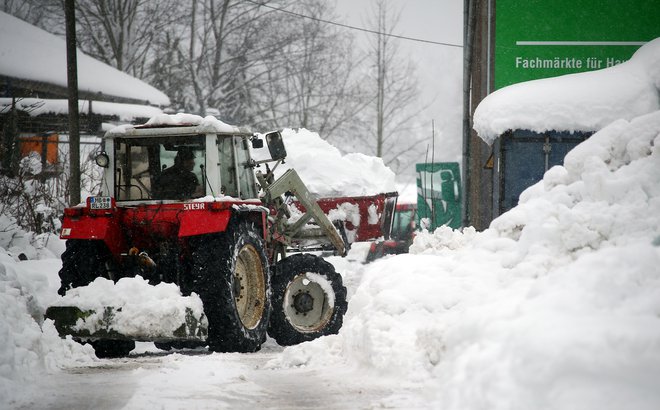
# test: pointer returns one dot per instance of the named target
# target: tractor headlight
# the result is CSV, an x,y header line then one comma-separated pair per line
x,y
102,160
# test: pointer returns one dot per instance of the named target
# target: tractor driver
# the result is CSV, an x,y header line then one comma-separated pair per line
x,y
178,181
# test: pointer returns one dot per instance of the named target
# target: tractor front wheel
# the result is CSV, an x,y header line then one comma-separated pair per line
x,y
309,300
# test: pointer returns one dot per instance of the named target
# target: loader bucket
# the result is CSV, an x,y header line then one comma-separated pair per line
x,y
108,323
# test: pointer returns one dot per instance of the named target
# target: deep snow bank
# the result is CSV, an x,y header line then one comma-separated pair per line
x,y
30,347
578,102
556,305
16,241
328,173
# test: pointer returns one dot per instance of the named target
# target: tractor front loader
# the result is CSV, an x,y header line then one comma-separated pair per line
x,y
185,204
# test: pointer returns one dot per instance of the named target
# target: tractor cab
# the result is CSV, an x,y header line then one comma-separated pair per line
x,y
177,163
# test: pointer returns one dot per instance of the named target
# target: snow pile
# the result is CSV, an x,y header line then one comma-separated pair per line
x,y
19,243
328,173
209,122
556,305
203,124
139,308
30,346
351,213
577,102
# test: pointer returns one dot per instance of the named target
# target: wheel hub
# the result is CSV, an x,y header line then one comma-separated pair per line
x,y
249,286
306,305
303,302
237,287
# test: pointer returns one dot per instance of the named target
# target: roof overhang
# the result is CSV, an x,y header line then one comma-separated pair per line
x,y
19,87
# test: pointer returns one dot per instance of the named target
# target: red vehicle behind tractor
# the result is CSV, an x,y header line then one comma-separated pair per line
x,y
228,238
401,236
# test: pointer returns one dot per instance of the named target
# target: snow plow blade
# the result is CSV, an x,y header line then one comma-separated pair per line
x,y
109,324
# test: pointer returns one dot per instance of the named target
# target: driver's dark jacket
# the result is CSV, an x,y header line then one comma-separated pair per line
x,y
175,183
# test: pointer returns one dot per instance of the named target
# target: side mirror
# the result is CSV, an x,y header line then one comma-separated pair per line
x,y
276,145
257,143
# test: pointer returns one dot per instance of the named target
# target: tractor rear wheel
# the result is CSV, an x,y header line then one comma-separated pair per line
x,y
309,300
82,262
108,349
231,275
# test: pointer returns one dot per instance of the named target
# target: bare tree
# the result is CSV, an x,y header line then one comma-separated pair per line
x,y
395,94
227,49
120,32
28,199
249,60
317,86
46,14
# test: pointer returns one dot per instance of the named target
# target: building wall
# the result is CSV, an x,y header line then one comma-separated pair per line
x,y
516,41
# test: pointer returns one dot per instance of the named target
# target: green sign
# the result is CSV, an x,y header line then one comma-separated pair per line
x,y
438,195
546,38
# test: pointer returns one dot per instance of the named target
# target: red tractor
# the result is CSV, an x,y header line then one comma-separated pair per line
x,y
185,204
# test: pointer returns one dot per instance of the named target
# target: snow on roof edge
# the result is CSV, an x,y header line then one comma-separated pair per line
x,y
585,101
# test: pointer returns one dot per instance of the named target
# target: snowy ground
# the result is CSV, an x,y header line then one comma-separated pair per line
x,y
556,306
151,378
200,380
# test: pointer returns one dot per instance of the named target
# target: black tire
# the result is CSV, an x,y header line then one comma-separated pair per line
x,y
231,275
108,349
302,308
185,344
82,262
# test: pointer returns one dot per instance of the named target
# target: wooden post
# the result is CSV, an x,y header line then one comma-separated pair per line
x,y
72,81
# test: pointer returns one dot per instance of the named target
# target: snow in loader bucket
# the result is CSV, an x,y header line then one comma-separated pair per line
x,y
102,325
104,310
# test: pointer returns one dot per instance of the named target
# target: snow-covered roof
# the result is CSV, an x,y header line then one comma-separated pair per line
x,y
30,53
576,102
39,106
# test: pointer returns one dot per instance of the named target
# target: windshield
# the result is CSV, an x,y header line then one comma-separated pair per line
x,y
159,168
403,224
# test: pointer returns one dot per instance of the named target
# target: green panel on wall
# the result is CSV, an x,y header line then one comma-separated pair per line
x,y
538,39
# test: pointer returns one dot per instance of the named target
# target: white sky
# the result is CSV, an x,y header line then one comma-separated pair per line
x,y
439,67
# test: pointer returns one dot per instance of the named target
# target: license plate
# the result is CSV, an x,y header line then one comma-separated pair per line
x,y
100,202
